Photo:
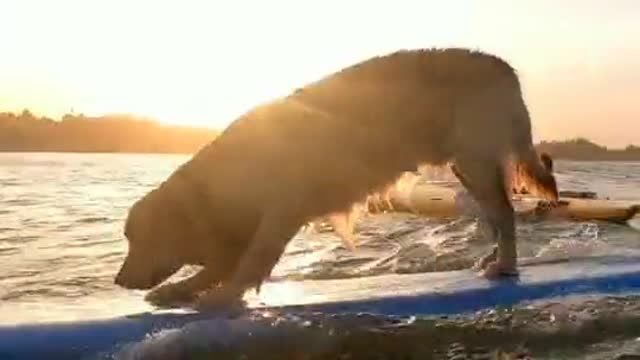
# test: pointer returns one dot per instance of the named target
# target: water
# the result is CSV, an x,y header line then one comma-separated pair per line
x,y
61,237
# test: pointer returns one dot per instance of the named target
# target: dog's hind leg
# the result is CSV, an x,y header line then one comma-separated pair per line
x,y
484,178
484,224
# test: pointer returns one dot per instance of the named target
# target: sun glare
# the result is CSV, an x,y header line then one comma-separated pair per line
x,y
195,63
203,63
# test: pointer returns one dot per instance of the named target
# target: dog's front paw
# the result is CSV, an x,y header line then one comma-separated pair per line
x,y
170,295
219,298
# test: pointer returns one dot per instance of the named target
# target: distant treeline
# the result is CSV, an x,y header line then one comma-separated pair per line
x,y
126,133
111,133
585,150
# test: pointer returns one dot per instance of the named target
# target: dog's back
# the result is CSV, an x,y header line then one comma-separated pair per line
x,y
353,132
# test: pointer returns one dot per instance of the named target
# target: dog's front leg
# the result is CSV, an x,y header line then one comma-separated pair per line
x,y
276,228
484,179
181,292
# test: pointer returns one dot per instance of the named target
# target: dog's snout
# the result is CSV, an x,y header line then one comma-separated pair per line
x,y
123,282
123,278
118,279
133,280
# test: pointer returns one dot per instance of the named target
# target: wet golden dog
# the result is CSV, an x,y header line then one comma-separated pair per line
x,y
236,204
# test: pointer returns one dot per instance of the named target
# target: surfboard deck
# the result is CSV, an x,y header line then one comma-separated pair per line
x,y
394,294
454,291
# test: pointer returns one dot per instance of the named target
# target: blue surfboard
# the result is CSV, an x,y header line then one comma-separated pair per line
x,y
395,294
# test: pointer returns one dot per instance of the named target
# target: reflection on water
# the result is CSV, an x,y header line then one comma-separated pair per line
x,y
62,216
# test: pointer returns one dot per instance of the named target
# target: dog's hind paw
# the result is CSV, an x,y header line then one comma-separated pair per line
x,y
495,270
484,261
490,266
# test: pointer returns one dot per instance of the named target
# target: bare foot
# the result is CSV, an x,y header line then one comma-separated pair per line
x,y
170,295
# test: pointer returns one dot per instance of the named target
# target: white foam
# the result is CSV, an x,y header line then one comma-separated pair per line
x,y
573,248
194,337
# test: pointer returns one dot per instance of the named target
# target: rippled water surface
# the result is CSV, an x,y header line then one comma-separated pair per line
x,y
61,233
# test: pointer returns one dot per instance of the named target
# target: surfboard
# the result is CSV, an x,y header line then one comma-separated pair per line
x,y
393,294
604,210
438,200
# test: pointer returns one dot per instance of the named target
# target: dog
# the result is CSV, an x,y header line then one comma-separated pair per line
x,y
235,205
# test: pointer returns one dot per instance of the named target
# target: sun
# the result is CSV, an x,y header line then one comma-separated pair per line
x,y
188,63
203,63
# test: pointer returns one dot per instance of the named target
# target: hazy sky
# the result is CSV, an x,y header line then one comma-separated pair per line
x,y
205,62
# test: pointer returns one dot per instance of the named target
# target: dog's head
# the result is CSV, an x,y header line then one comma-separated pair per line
x,y
154,238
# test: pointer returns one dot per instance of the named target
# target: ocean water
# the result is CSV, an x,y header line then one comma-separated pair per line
x,y
61,242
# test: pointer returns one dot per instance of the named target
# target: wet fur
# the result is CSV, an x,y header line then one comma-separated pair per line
x,y
237,203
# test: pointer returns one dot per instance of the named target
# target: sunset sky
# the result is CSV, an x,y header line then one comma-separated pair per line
x,y
204,62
